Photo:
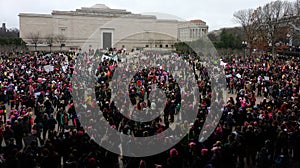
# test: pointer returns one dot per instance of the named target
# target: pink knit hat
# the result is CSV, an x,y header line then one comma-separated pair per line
x,y
192,144
173,152
204,151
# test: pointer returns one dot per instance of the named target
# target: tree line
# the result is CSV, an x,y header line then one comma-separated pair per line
x,y
270,26
9,33
50,39
9,40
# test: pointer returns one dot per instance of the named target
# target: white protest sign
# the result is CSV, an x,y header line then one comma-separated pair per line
x,y
49,68
267,78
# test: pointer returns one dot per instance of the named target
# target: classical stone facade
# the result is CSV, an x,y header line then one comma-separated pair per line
x,y
98,27
192,30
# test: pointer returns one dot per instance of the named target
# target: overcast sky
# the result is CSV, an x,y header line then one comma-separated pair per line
x,y
216,13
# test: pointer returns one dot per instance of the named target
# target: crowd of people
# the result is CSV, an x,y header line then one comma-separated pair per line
x,y
43,124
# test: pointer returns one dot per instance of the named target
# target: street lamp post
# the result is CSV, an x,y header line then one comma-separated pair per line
x,y
244,45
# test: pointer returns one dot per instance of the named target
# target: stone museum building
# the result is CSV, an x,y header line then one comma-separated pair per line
x,y
101,27
192,30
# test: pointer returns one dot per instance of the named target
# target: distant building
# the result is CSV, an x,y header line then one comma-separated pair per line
x,y
3,28
101,27
191,30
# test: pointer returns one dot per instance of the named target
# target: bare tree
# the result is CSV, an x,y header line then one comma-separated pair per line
x,y
274,13
245,19
296,8
268,23
50,40
260,32
34,39
61,39
294,22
